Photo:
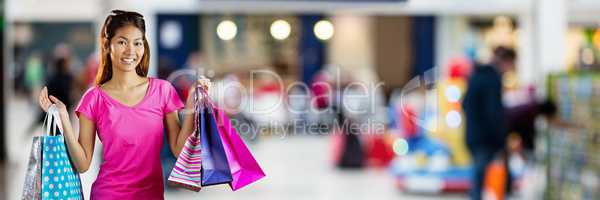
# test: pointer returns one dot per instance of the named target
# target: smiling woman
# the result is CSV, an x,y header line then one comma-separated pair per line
x,y
121,25
129,112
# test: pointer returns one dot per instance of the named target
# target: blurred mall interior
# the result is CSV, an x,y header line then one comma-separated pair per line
x,y
406,62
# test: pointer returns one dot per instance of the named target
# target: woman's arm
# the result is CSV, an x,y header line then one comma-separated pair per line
x,y
82,149
178,134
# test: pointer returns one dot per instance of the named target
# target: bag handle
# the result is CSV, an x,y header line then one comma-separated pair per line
x,y
200,97
201,102
52,119
196,131
207,101
203,105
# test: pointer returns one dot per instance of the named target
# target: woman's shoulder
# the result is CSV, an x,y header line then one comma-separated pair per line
x,y
160,83
92,91
90,95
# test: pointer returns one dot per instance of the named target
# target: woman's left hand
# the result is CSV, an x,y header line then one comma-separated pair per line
x,y
204,83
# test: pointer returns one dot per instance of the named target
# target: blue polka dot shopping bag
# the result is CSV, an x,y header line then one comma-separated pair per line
x,y
50,174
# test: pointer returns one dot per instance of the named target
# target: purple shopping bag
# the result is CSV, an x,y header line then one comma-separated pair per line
x,y
244,168
215,166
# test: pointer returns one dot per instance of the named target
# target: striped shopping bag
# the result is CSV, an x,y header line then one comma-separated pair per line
x,y
187,170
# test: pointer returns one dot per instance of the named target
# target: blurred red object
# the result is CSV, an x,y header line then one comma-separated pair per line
x,y
459,67
409,126
379,151
321,90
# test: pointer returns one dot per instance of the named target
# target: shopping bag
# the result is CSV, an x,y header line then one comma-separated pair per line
x,y
187,170
215,167
32,189
50,173
244,168
59,179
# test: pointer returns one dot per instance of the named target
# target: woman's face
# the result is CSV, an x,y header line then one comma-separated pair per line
x,y
127,48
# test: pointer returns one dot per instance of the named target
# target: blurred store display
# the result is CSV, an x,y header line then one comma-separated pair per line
x,y
572,147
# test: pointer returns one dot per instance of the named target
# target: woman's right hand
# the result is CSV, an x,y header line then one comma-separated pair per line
x,y
46,101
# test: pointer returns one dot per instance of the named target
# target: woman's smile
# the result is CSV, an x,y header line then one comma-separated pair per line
x,y
128,60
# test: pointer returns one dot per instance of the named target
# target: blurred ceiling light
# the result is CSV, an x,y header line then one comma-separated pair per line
x,y
171,34
226,30
453,119
452,93
324,30
280,29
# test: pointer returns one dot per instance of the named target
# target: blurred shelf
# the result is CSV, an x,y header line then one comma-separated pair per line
x,y
572,150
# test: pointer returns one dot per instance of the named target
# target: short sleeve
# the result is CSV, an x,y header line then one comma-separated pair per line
x,y
87,104
172,102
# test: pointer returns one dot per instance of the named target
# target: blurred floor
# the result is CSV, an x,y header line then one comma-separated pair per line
x,y
297,167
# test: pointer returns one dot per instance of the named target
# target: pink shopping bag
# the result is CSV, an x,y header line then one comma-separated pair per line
x,y
244,168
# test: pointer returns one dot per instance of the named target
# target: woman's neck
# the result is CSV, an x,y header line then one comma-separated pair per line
x,y
125,80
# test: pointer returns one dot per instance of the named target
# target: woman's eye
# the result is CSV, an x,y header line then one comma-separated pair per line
x,y
121,42
138,44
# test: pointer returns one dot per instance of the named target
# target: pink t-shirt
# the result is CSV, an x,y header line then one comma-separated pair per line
x,y
132,137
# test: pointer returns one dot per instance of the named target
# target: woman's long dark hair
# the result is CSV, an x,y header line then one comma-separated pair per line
x,y
118,19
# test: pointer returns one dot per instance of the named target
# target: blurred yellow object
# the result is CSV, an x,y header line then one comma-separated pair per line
x,y
420,159
450,126
596,38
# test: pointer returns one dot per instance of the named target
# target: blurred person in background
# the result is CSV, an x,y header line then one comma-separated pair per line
x,y
91,69
59,84
128,111
61,81
350,109
521,120
348,150
486,129
321,91
34,75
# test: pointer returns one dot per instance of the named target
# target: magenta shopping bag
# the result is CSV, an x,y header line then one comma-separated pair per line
x,y
244,168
